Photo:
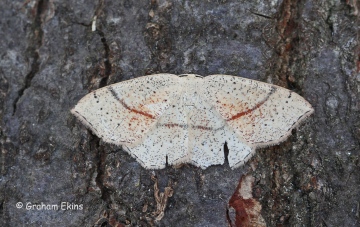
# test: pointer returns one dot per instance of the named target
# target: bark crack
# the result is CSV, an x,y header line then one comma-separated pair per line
x,y
33,50
287,42
101,152
107,64
101,171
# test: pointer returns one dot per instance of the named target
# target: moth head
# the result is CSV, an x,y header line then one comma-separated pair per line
x,y
190,75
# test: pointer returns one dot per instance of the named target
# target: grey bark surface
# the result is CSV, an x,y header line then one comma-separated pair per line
x,y
50,58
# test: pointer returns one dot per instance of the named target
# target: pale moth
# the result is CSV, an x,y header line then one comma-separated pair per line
x,y
167,119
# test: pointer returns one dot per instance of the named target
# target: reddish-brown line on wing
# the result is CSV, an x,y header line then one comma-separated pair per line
x,y
172,125
202,127
128,107
238,115
136,111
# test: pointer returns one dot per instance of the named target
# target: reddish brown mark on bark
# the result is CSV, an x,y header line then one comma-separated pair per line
x,y
246,210
241,206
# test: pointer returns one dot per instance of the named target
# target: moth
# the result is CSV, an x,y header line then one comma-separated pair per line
x,y
165,119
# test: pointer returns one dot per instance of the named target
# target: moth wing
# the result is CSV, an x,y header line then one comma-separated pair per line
x,y
261,114
190,130
208,132
167,141
123,113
